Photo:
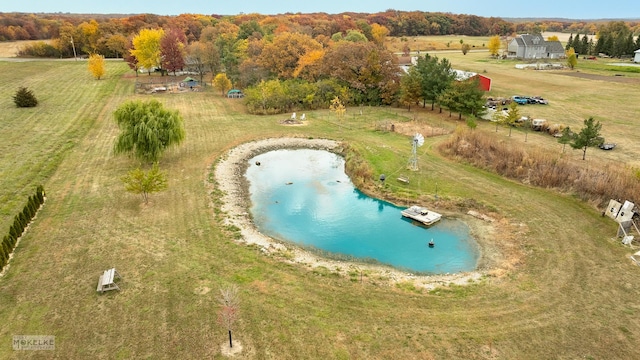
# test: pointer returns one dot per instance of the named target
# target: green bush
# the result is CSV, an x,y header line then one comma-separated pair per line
x,y
25,98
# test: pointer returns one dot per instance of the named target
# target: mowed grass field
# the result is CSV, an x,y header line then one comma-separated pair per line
x,y
574,293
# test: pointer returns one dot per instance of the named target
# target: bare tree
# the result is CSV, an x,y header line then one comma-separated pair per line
x,y
229,310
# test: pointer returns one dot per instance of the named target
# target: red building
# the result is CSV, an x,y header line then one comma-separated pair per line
x,y
484,81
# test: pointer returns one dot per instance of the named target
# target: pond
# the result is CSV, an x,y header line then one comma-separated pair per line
x,y
304,197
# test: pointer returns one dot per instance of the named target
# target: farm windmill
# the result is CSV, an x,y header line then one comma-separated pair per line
x,y
417,141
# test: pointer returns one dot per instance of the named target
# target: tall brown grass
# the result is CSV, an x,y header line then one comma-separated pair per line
x,y
543,168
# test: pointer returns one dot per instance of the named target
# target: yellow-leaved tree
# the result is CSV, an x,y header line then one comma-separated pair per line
x,y
146,48
572,58
337,107
494,45
379,33
222,83
96,66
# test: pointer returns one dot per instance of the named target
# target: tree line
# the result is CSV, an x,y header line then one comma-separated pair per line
x,y
615,39
104,33
20,223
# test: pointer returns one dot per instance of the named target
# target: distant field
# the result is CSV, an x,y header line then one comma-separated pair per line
x,y
11,48
572,294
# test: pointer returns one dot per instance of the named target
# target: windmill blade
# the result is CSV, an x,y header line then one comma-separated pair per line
x,y
418,139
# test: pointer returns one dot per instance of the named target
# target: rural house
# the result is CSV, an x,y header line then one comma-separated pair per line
x,y
534,47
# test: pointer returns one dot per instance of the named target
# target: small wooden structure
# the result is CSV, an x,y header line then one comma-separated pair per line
x,y
106,281
403,179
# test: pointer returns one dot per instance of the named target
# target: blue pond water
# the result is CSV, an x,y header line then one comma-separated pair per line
x,y
305,197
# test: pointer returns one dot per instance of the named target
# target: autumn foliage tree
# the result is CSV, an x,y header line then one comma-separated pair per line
x,y
172,50
494,45
146,48
96,66
369,71
572,58
283,55
221,82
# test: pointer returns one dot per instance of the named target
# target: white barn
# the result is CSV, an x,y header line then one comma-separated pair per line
x,y
636,58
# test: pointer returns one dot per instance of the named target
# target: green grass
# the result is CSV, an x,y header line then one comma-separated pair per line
x,y
571,295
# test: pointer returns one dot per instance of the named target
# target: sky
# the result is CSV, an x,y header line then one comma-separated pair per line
x,y
585,9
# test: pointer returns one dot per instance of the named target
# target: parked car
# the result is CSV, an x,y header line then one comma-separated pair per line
x,y
520,100
540,100
607,146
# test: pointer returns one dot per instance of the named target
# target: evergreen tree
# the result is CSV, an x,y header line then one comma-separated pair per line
x,y
629,45
569,42
25,98
26,210
12,241
13,231
591,52
584,47
588,136
608,45
33,203
637,46
6,245
3,259
40,195
600,43
577,44
23,221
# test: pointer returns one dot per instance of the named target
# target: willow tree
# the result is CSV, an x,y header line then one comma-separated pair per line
x,y
147,129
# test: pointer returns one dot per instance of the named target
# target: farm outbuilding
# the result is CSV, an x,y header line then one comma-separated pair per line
x,y
234,93
190,82
636,58
484,81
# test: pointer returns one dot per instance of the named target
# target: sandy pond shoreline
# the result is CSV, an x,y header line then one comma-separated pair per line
x,y
229,175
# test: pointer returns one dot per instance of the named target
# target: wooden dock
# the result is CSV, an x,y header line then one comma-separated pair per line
x,y
422,215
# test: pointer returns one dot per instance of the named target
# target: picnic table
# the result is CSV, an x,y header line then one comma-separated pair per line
x,y
106,281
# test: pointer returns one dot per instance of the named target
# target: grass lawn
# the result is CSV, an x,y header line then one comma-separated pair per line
x,y
573,295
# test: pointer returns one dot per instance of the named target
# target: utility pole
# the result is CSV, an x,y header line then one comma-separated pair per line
x,y
75,57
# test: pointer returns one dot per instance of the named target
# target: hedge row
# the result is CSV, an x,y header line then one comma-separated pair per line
x,y
20,223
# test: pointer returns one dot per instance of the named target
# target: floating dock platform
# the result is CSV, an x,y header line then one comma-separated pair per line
x,y
422,215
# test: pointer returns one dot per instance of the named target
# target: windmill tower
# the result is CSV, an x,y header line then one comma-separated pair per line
x,y
417,141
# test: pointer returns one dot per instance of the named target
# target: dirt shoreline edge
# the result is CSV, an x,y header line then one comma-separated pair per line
x,y
229,176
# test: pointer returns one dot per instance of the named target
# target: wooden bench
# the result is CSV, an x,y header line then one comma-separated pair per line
x,y
105,282
403,179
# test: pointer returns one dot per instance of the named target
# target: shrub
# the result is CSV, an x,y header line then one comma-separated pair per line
x,y
25,98
543,168
3,259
